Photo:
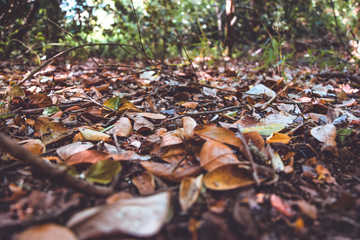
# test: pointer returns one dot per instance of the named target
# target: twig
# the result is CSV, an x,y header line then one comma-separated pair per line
x,y
337,29
281,91
187,55
86,51
99,104
249,157
53,172
50,60
205,112
140,36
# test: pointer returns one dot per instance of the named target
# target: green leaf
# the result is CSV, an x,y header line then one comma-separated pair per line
x,y
120,104
265,130
51,110
344,133
114,102
103,171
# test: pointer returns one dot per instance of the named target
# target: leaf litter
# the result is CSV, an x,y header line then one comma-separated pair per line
x,y
168,151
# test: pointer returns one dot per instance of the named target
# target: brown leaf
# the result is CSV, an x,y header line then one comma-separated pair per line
x,y
142,125
145,183
53,132
87,156
122,127
39,100
47,231
139,217
278,138
215,154
66,151
278,204
325,133
166,171
255,138
189,191
220,134
229,177
189,125
35,146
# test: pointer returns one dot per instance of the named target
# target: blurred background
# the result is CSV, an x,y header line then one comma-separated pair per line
x,y
268,30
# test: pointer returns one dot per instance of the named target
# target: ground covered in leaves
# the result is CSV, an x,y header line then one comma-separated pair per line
x,y
167,151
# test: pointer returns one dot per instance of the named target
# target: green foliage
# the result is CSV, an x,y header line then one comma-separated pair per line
x,y
25,30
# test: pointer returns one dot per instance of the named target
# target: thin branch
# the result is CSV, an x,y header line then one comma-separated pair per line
x,y
205,112
99,104
52,172
140,36
50,60
337,29
281,91
86,51
248,155
187,55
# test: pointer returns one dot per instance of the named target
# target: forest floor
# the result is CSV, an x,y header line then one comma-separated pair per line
x,y
220,151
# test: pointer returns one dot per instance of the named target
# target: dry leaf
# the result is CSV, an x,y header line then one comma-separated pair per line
x,y
278,138
220,134
87,156
35,146
92,135
122,127
215,154
66,151
145,183
53,132
325,133
189,191
278,204
255,138
166,171
48,231
229,177
189,125
138,217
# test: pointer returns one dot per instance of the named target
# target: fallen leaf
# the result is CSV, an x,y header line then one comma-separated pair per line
x,y
278,138
122,127
166,171
39,100
142,125
229,177
92,135
47,231
66,151
325,134
138,217
307,208
145,183
53,132
215,154
189,191
189,125
278,204
35,146
255,138
103,171
87,156
265,130
220,134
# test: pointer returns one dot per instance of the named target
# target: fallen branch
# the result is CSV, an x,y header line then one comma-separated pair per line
x,y
191,114
52,172
281,91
